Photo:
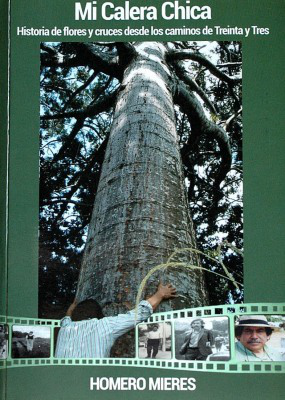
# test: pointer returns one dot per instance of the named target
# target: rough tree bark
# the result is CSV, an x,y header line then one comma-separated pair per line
x,y
140,213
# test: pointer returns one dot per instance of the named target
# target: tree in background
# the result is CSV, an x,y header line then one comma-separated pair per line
x,y
126,122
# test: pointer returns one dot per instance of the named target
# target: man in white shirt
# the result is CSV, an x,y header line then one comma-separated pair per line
x,y
90,337
153,340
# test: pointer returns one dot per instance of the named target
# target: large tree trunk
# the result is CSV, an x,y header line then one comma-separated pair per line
x,y
140,213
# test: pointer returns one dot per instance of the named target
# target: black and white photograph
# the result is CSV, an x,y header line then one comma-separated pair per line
x,y
30,341
202,339
4,335
260,338
154,340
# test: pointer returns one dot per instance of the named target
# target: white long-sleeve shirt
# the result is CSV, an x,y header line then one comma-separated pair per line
x,y
94,338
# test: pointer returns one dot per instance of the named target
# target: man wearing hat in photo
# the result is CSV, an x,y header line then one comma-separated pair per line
x,y
253,332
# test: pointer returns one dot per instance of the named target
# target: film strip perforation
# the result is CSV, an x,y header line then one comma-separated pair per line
x,y
193,366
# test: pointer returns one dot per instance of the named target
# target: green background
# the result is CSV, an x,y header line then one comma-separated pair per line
x,y
264,185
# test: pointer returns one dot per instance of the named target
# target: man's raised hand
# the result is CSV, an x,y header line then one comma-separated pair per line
x,y
166,291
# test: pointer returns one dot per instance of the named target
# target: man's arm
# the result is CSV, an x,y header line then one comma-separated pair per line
x,y
71,308
183,348
162,293
124,322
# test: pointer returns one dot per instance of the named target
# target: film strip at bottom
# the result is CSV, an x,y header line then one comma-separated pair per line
x,y
225,339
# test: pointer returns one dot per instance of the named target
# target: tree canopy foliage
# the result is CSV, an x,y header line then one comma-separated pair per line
x,y
79,85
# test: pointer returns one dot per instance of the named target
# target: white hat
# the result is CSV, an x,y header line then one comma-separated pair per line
x,y
255,320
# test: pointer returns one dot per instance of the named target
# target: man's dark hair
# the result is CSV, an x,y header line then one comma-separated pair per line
x,y
87,309
198,319
239,330
152,326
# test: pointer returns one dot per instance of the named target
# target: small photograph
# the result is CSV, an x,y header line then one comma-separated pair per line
x,y
30,341
260,338
4,335
155,340
202,339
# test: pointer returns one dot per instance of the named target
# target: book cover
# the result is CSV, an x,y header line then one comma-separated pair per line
x,y
142,157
